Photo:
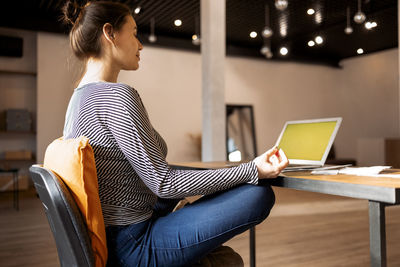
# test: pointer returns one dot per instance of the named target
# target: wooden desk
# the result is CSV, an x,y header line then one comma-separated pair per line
x,y
380,193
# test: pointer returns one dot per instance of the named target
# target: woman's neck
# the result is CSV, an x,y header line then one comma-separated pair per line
x,y
99,71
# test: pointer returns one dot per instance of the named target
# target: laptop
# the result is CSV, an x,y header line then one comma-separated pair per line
x,y
307,143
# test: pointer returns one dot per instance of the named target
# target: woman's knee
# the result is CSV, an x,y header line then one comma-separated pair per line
x,y
260,200
266,200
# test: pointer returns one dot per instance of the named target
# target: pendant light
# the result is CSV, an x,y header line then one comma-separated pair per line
x,y
196,37
267,31
152,36
266,51
281,4
348,29
266,48
359,17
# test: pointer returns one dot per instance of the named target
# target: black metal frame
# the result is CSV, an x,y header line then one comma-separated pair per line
x,y
252,230
378,198
65,220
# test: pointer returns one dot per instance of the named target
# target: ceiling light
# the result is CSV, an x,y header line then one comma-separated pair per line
x,y
152,36
359,17
369,25
318,17
253,34
283,24
178,22
311,43
283,51
281,4
310,11
196,37
360,51
348,29
267,31
319,40
266,51
137,10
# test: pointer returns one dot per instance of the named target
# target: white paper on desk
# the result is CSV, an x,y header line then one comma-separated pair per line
x,y
364,171
325,172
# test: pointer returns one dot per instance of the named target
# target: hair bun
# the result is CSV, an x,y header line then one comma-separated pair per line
x,y
71,11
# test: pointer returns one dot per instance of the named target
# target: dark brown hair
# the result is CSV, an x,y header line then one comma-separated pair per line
x,y
87,24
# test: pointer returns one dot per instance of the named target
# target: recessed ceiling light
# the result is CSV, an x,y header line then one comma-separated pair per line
x,y
360,51
310,11
319,40
137,10
253,34
283,51
369,25
311,43
178,22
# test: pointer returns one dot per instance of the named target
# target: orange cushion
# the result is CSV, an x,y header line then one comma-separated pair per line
x,y
73,160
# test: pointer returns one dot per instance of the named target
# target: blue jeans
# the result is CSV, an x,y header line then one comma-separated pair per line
x,y
183,237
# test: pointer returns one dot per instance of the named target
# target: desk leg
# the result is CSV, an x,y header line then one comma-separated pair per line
x,y
15,190
253,247
377,234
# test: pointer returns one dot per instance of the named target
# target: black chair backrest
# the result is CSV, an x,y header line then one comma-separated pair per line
x,y
65,220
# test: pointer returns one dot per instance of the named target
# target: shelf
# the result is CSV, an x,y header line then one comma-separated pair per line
x,y
17,72
5,133
2,161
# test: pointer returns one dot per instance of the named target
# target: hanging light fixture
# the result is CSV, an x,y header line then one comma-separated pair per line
x,y
152,36
348,29
196,37
359,17
281,4
267,31
266,34
266,51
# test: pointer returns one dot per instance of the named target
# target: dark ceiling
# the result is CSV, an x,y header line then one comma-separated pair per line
x,y
242,17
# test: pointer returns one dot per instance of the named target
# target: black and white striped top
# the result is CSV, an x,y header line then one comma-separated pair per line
x,y
130,155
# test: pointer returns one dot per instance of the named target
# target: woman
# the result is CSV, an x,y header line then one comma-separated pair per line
x,y
135,181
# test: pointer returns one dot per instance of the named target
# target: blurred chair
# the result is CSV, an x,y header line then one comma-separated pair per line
x,y
65,220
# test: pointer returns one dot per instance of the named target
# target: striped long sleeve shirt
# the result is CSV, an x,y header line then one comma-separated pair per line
x,y
130,155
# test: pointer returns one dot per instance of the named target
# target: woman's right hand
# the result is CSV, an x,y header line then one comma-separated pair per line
x,y
271,163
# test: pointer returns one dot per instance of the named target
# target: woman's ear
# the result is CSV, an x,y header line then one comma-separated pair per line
x,y
108,32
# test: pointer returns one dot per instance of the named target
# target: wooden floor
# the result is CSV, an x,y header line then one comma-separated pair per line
x,y
304,229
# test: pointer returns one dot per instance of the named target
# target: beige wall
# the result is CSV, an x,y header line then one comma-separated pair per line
x,y
57,70
364,92
368,95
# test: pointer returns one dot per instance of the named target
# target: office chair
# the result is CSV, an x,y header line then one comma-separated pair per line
x,y
65,220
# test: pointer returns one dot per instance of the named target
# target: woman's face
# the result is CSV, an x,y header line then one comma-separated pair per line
x,y
127,45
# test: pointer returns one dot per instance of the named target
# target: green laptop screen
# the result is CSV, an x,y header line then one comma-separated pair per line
x,y
307,141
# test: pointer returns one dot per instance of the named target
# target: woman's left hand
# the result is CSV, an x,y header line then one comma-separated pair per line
x,y
271,163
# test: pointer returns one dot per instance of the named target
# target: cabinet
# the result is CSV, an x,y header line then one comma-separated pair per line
x,y
17,148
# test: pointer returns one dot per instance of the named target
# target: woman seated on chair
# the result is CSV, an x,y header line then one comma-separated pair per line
x,y
135,180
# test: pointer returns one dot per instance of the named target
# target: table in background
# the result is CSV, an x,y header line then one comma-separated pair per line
x,y
379,191
14,173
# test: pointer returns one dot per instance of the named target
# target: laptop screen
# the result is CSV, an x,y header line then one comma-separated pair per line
x,y
308,141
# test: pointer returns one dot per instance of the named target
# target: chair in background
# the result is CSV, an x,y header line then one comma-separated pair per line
x,y
65,220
